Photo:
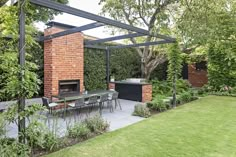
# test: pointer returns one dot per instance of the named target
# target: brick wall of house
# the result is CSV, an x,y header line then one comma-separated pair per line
x,y
146,93
197,78
63,60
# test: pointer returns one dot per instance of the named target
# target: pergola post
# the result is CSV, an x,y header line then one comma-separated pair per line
x,y
107,66
174,86
21,101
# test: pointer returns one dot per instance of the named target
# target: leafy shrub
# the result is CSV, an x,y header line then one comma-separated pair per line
x,y
38,137
182,86
161,88
51,141
141,110
223,94
233,90
222,90
2,126
96,124
186,97
12,148
222,64
165,87
204,90
158,105
80,131
34,134
201,91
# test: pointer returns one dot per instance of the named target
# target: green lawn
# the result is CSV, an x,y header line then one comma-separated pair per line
x,y
203,128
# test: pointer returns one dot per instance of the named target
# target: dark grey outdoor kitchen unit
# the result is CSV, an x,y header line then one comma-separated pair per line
x,y
130,90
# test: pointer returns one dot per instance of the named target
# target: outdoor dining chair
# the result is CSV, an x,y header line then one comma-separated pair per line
x,y
77,105
114,97
91,102
48,104
102,99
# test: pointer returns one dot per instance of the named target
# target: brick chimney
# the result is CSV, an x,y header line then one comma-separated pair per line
x,y
63,60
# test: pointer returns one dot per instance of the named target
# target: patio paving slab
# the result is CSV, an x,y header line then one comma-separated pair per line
x,y
117,119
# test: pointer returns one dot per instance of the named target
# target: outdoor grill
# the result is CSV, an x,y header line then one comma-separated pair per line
x,y
132,89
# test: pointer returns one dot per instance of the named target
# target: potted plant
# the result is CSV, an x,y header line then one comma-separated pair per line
x,y
112,78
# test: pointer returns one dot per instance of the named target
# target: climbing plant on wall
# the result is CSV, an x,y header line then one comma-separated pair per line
x,y
222,64
124,63
175,62
11,86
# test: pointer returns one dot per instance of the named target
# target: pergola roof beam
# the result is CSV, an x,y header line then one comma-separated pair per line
x,y
72,30
95,47
141,44
113,38
94,17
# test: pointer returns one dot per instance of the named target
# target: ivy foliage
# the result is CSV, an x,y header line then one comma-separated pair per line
x,y
94,69
175,62
11,86
222,64
222,50
124,63
211,24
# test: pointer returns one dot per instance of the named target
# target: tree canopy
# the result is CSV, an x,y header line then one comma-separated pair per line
x,y
152,15
205,21
211,24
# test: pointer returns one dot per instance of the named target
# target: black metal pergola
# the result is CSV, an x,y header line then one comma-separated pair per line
x,y
100,21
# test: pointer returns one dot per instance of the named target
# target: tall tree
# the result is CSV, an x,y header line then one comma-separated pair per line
x,y
204,21
211,24
152,15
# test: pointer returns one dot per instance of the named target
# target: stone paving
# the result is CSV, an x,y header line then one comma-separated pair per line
x,y
117,119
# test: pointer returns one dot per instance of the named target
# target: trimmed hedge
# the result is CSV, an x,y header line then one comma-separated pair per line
x,y
124,63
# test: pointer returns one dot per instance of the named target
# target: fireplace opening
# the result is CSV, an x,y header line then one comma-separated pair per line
x,y
69,87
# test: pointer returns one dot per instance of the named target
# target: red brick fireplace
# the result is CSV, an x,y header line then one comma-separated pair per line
x,y
63,62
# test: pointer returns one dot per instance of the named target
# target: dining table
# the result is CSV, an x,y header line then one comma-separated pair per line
x,y
85,95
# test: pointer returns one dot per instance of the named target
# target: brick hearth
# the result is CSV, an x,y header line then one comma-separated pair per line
x,y
63,60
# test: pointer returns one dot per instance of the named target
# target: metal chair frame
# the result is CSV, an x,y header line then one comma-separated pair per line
x,y
114,97
101,101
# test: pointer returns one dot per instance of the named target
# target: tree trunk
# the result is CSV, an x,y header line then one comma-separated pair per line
x,y
145,71
147,67
143,66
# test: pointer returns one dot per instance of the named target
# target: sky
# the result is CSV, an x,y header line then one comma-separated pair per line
x,y
85,5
